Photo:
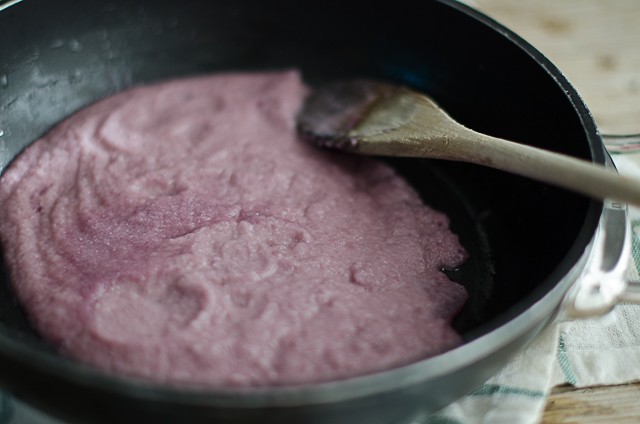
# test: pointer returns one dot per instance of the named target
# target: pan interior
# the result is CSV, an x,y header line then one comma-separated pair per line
x,y
519,232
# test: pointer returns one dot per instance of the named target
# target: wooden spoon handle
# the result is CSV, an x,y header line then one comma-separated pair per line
x,y
553,168
446,139
410,124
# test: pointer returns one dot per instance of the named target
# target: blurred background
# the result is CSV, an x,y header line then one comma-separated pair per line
x,y
595,43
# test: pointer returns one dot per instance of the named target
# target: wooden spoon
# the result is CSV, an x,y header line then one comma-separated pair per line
x,y
373,118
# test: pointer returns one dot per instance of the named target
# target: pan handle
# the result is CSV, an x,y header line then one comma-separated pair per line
x,y
603,283
619,144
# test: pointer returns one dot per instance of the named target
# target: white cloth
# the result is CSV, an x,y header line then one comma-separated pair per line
x,y
582,353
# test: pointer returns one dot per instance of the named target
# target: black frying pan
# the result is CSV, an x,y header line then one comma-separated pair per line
x,y
524,237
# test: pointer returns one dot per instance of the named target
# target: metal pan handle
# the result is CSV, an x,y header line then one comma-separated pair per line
x,y
603,283
625,144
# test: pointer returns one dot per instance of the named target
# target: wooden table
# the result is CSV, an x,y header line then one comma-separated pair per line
x,y
596,44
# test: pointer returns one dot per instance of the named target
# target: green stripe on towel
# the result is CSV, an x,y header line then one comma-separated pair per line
x,y
563,361
635,244
499,389
489,390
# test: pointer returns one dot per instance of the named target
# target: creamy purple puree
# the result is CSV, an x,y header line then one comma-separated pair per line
x,y
181,233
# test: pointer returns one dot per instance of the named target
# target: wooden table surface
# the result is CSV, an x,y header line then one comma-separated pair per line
x,y
596,44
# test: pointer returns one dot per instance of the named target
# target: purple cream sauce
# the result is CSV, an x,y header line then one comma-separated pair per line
x,y
181,233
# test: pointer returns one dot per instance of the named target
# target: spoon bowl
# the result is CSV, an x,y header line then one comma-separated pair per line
x,y
374,118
